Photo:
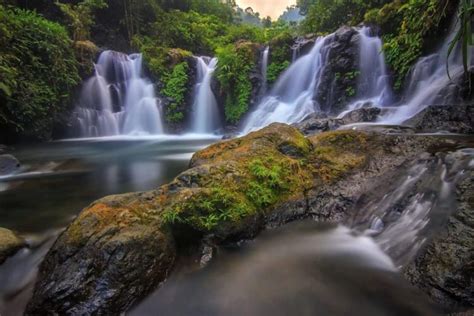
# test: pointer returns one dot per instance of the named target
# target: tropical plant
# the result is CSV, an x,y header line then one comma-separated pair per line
x,y
464,36
80,16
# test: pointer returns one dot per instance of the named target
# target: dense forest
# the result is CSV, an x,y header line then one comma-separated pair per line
x,y
41,70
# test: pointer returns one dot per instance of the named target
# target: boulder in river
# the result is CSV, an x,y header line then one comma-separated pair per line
x,y
10,243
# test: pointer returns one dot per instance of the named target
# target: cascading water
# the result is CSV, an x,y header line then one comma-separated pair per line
x,y
401,216
206,114
263,70
291,99
118,100
427,80
373,83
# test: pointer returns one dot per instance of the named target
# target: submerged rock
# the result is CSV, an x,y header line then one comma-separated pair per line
x,y
445,267
10,243
8,164
448,118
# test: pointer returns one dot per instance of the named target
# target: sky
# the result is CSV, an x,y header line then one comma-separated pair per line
x,y
273,8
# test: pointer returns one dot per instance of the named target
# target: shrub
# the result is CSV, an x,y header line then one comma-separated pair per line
x,y
234,67
38,72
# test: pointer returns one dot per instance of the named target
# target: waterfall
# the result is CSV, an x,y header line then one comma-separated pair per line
x,y
427,80
291,98
373,81
118,99
263,70
206,114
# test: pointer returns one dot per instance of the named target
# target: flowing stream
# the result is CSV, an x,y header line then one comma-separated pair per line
x,y
118,100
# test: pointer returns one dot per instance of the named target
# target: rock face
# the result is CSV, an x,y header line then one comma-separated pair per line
x,y
122,247
112,254
8,164
337,84
10,243
445,267
320,122
449,118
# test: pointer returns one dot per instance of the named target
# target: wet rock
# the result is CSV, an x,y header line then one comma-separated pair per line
x,y
114,253
10,243
303,44
364,114
320,122
450,118
445,267
338,80
317,123
8,164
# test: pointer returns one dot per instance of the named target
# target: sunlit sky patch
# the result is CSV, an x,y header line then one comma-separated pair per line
x,y
272,8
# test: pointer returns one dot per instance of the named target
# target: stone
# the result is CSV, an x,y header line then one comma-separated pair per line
x,y
10,243
364,114
444,268
8,164
337,75
450,118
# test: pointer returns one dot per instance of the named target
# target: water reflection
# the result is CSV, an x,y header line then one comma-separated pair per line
x,y
58,179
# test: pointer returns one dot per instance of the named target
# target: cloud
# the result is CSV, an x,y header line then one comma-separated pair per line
x,y
272,8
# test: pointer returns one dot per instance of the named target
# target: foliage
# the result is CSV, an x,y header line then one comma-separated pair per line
x,y
176,84
80,17
280,55
268,182
463,36
235,65
38,72
406,25
209,208
325,16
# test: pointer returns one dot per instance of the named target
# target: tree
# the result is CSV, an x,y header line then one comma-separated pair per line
x,y
80,17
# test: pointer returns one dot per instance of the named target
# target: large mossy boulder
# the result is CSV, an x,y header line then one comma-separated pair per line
x,y
10,243
121,247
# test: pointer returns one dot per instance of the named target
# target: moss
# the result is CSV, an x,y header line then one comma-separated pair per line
x,y
280,56
233,183
175,87
236,61
337,153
